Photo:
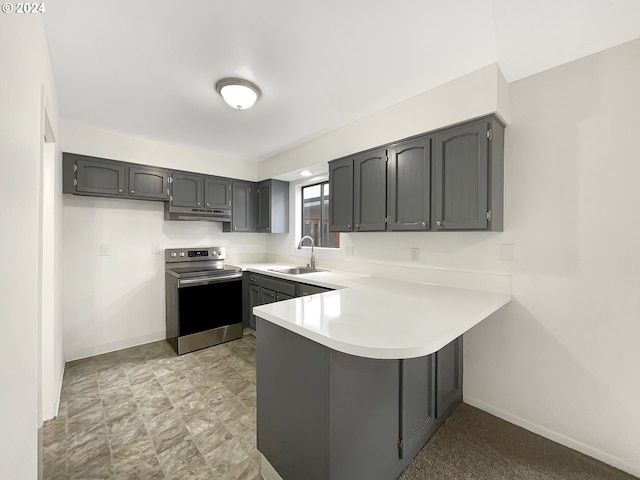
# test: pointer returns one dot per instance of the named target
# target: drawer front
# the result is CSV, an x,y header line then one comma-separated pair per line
x,y
279,286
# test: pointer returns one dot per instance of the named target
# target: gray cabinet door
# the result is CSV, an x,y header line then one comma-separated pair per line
x,y
273,206
242,207
267,296
217,192
100,176
369,191
254,301
341,195
417,403
448,377
461,177
148,183
187,190
409,185
264,207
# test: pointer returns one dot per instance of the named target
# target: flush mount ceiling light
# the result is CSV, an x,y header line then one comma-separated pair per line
x,y
238,93
306,173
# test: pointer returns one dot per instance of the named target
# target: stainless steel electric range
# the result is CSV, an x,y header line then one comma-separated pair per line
x,y
203,298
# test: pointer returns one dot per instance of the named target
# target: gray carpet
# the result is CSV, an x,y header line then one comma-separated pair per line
x,y
475,445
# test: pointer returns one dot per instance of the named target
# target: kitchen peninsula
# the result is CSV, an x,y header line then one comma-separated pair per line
x,y
351,383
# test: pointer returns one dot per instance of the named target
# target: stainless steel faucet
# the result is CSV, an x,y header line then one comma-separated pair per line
x,y
312,260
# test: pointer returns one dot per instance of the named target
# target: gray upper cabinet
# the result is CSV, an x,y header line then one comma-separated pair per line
x,y
148,183
187,189
97,176
450,179
409,185
468,177
100,177
273,206
217,192
243,206
341,195
369,199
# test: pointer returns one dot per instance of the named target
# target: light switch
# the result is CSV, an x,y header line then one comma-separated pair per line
x,y
415,254
155,249
105,250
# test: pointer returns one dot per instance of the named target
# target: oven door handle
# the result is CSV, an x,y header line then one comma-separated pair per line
x,y
193,282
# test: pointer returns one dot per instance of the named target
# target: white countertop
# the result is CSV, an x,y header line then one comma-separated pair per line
x,y
377,317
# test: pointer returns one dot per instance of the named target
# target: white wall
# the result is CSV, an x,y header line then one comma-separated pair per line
x,y
562,358
116,301
478,93
25,68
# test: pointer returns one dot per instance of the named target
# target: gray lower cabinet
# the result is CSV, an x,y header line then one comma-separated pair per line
x,y
341,195
254,301
273,206
468,176
263,289
369,187
326,415
409,185
148,183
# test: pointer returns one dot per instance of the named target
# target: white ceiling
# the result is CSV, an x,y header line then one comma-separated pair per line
x,y
148,67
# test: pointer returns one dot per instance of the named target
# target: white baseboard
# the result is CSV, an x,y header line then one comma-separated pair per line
x,y
267,471
56,406
79,353
556,437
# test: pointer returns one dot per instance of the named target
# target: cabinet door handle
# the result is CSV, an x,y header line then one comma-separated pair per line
x,y
349,226
424,224
207,204
133,191
439,223
357,226
198,203
119,190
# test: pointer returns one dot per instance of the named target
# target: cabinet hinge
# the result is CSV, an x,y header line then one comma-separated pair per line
x,y
170,179
400,447
387,159
490,134
489,215
75,182
75,167
386,219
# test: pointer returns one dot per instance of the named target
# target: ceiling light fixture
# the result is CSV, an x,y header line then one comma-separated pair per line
x,y
306,173
238,93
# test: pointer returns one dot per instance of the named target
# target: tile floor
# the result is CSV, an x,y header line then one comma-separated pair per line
x,y
145,413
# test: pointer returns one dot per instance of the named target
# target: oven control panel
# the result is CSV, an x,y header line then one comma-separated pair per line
x,y
194,254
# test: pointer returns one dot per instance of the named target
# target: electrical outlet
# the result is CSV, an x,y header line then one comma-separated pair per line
x,y
155,249
348,250
415,254
105,250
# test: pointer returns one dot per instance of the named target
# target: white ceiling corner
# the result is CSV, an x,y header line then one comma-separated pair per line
x,y
148,68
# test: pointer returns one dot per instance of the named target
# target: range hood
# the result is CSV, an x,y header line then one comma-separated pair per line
x,y
171,212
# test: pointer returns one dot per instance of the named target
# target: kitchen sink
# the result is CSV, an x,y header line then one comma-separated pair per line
x,y
296,270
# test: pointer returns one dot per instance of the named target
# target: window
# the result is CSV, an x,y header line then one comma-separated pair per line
x,y
315,216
